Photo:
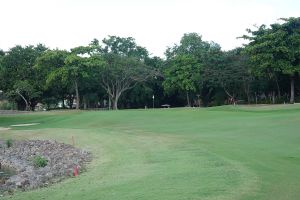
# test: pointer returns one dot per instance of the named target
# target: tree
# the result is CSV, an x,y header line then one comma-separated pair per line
x,y
183,73
18,76
201,55
2,54
212,58
276,49
47,66
231,73
121,64
190,44
64,72
120,74
122,46
71,73
290,65
26,91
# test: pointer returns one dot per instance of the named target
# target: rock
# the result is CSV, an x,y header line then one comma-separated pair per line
x,y
62,158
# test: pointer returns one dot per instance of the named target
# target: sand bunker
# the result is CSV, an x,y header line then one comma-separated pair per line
x,y
4,129
32,124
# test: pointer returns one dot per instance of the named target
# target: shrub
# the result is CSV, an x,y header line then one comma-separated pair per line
x,y
9,143
6,105
39,161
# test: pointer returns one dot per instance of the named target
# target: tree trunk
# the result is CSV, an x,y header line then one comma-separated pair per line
x,y
63,103
115,100
115,104
255,98
248,95
24,99
32,105
84,103
70,101
248,98
232,99
247,90
278,88
77,95
292,99
188,99
109,102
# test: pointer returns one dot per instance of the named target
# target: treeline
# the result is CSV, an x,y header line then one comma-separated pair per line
x,y
118,73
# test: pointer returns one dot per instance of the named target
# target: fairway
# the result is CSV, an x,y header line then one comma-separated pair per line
x,y
215,153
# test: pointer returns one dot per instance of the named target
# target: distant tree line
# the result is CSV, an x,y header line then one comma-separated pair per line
x,y
118,73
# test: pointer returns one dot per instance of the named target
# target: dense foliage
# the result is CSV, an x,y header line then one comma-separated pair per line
x,y
119,73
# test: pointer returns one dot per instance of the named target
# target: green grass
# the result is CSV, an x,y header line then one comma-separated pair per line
x,y
216,153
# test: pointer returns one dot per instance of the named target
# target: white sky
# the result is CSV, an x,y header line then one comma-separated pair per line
x,y
155,24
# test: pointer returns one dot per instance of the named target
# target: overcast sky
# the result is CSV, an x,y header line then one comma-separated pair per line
x,y
155,24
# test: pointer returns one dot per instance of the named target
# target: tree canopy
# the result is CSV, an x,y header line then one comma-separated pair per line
x,y
116,72
276,49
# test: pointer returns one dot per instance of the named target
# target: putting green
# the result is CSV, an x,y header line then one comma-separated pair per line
x,y
215,153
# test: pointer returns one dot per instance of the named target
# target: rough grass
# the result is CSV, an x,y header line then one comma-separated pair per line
x,y
215,153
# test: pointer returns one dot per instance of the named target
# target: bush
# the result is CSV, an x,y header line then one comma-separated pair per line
x,y
6,105
9,143
39,161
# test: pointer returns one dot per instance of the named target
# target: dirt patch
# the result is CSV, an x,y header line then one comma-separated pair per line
x,y
61,158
